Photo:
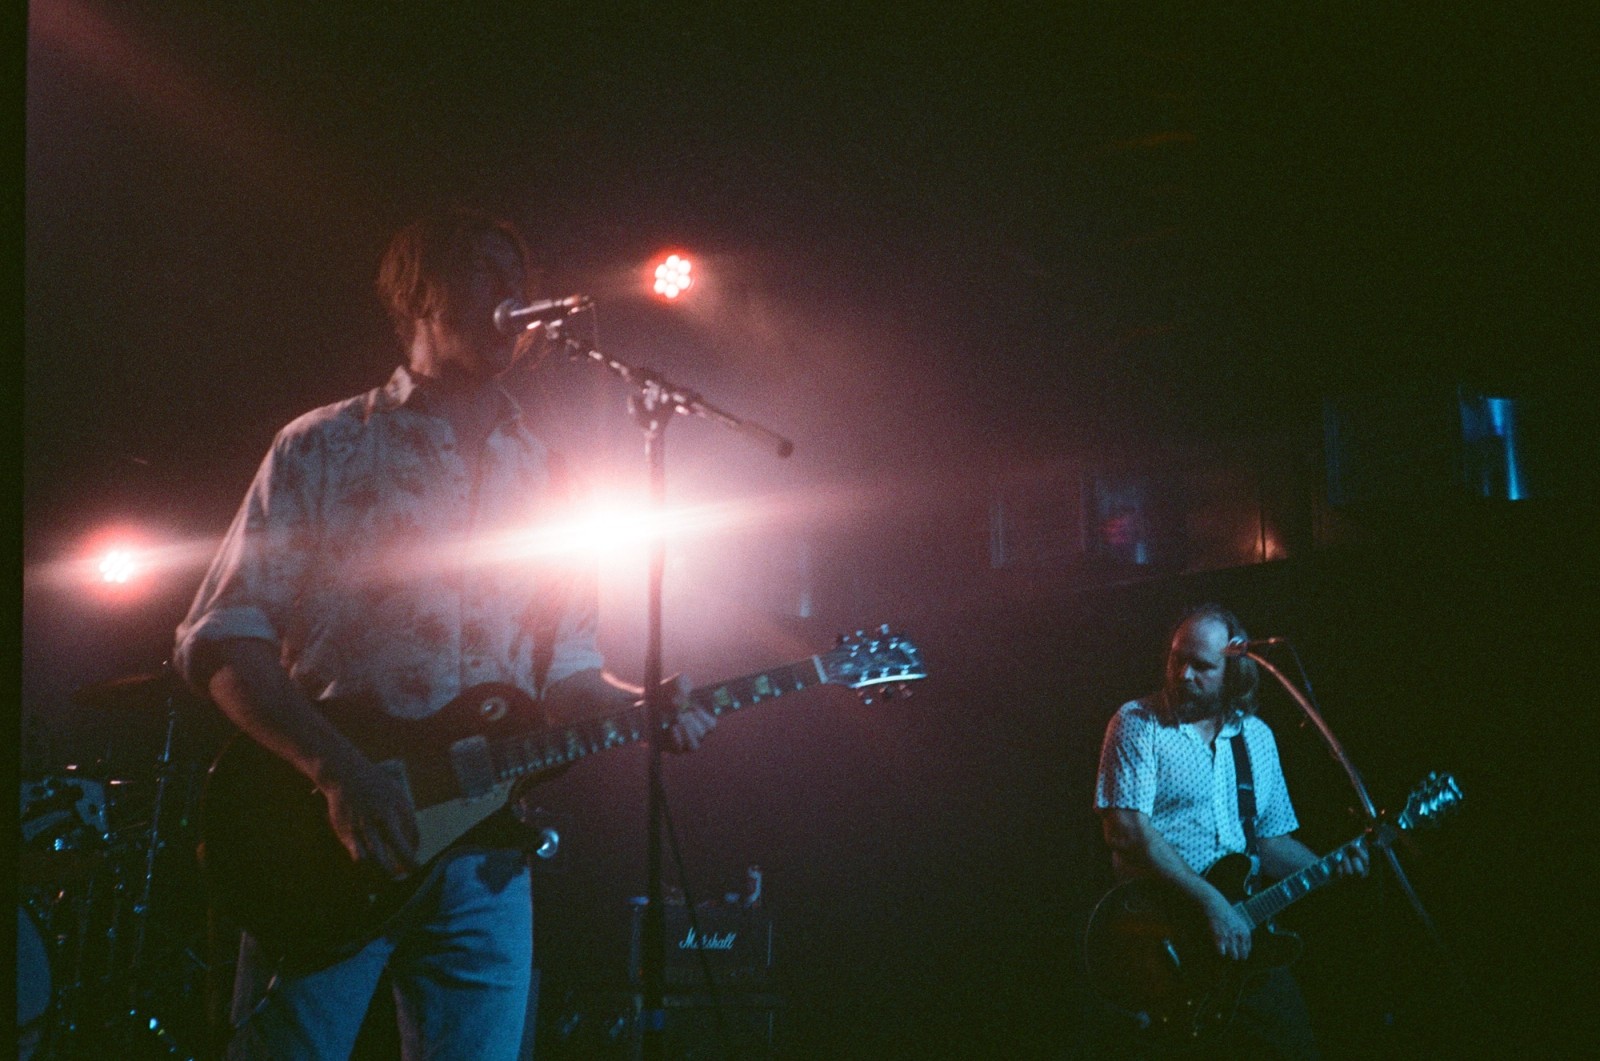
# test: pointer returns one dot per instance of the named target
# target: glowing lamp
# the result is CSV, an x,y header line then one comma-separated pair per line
x,y
672,277
115,565
118,566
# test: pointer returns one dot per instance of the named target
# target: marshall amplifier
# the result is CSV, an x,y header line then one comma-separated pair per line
x,y
731,939
733,942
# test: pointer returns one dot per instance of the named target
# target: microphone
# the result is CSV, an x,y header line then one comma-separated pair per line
x,y
511,317
1238,646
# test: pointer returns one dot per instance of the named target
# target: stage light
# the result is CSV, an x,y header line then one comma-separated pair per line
x,y
118,566
115,563
122,564
673,276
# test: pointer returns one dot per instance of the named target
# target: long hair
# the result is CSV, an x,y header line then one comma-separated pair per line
x,y
1241,677
426,253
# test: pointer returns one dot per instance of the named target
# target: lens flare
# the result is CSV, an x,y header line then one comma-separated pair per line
x,y
612,529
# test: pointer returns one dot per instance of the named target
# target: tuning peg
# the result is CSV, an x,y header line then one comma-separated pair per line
x,y
866,697
839,640
903,688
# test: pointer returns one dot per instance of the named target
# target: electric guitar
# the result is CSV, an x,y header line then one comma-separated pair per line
x,y
273,863
1149,951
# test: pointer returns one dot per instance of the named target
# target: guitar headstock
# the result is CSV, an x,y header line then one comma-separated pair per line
x,y
1431,802
879,662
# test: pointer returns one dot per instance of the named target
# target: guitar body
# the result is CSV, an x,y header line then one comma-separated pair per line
x,y
276,867
1149,951
271,859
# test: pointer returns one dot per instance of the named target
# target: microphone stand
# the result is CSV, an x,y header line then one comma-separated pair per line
x,y
653,401
1367,807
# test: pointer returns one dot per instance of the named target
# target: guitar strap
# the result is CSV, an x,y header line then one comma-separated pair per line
x,y
1247,791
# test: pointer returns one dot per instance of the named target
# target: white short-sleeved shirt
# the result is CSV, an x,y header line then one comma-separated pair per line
x,y
1187,787
384,568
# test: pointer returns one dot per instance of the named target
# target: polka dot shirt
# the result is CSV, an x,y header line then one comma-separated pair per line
x,y
1188,788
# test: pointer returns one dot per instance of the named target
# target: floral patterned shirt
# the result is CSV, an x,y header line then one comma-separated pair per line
x,y
387,567
1186,786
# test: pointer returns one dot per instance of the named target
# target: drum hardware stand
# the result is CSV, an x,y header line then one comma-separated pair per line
x,y
153,844
121,970
164,770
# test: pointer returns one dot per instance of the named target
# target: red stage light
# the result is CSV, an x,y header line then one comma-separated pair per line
x,y
123,564
673,276
117,564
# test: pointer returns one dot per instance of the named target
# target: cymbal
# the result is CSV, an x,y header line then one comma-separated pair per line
x,y
131,692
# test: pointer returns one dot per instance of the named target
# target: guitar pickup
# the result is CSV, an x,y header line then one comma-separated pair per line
x,y
396,768
473,767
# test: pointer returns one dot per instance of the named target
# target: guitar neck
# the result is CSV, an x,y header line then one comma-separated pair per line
x,y
1437,796
1266,904
546,749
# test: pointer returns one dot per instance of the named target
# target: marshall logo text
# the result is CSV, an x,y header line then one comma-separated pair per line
x,y
715,941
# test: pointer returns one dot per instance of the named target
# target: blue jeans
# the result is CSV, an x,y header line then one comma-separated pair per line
x,y
461,966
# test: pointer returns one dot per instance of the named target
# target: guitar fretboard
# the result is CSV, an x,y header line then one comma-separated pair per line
x,y
546,749
754,688
1436,796
1269,902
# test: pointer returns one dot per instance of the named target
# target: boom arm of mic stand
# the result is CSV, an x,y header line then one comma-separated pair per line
x,y
1360,787
662,393
1327,735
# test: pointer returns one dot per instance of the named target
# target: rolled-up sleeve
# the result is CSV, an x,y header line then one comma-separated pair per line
x,y
260,569
1127,777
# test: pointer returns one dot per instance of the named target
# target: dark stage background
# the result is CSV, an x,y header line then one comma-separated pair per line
x,y
988,268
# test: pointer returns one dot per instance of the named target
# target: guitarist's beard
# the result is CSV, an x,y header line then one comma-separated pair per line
x,y
1185,706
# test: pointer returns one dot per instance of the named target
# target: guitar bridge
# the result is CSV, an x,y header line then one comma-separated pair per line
x,y
473,767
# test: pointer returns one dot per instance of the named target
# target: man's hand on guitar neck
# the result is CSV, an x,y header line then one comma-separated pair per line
x,y
1283,855
1353,861
691,723
592,693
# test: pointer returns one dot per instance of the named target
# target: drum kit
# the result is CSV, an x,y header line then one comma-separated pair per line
x,y
112,952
